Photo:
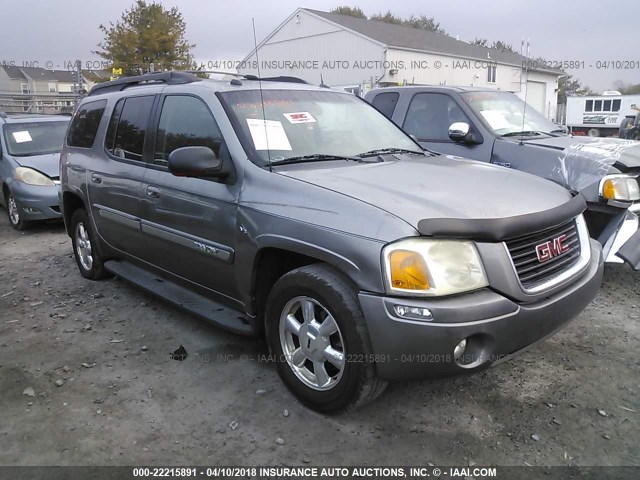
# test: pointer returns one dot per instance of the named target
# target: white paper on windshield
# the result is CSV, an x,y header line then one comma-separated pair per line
x,y
22,136
496,119
299,117
271,130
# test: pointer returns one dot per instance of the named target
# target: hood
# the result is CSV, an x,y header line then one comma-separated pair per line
x,y
585,160
49,163
415,188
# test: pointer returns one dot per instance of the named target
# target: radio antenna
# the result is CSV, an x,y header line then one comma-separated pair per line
x,y
526,86
264,117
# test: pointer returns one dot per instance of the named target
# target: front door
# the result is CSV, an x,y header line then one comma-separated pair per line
x,y
429,117
189,224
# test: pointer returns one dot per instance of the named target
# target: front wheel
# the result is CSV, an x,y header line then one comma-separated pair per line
x,y
13,211
318,337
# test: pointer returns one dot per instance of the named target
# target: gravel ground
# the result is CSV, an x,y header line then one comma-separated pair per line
x,y
104,390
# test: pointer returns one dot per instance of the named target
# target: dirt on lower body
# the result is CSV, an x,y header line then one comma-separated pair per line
x,y
86,378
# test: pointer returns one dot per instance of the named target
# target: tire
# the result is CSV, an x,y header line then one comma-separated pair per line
x,y
319,292
13,213
593,132
85,251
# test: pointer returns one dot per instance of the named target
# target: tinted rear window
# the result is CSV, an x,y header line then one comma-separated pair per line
x,y
128,127
386,103
85,123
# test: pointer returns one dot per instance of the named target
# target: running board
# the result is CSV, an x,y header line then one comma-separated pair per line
x,y
171,292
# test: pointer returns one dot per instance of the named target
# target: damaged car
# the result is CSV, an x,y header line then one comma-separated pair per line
x,y
497,127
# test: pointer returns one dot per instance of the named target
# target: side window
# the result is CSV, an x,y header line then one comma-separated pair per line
x,y
616,105
85,123
386,103
589,106
430,115
128,127
186,122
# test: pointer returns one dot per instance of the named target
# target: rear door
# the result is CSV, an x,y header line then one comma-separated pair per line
x,y
189,224
114,175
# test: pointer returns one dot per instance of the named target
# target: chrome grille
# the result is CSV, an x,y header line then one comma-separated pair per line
x,y
530,270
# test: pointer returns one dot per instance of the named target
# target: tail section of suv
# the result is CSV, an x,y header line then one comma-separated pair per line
x,y
299,213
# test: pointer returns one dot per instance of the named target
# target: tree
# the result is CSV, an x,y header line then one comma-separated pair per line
x,y
351,11
424,23
147,34
568,86
388,17
627,88
503,46
481,42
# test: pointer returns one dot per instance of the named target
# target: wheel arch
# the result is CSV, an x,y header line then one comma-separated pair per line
x,y
278,255
70,203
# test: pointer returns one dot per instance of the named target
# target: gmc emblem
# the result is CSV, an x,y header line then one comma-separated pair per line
x,y
548,250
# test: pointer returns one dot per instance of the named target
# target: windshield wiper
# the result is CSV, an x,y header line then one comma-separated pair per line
x,y
382,151
315,157
525,133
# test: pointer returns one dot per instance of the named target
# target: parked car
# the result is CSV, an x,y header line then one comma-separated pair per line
x,y
630,127
487,125
279,208
30,148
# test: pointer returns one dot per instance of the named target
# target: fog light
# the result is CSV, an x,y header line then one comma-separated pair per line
x,y
459,349
419,313
31,210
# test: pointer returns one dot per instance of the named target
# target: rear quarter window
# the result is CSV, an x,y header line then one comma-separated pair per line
x,y
386,103
85,123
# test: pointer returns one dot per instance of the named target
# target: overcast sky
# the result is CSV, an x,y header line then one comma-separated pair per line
x,y
588,30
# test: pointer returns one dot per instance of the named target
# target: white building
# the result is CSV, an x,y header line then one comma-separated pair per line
x,y
356,54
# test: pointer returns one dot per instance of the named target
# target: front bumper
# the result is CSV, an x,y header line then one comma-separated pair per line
x,y
496,327
36,202
626,240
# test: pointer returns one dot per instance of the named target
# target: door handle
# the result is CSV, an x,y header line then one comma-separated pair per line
x,y
95,178
153,192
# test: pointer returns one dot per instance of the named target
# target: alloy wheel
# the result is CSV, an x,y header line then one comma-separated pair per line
x,y
83,246
312,343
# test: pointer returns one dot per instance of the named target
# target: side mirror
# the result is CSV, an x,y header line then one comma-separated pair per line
x,y
195,162
458,131
461,132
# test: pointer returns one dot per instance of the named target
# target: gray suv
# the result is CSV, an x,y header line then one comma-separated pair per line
x,y
273,207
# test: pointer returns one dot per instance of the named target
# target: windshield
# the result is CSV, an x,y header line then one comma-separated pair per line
x,y
502,112
34,138
305,123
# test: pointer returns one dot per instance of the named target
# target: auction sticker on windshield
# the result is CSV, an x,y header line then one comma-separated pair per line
x,y
299,117
495,119
22,136
268,134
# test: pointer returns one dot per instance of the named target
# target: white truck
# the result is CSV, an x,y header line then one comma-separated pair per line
x,y
599,115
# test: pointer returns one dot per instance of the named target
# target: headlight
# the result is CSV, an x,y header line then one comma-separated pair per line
x,y
32,177
620,187
428,267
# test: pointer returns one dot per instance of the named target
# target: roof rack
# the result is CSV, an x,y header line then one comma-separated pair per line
x,y
284,78
168,78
